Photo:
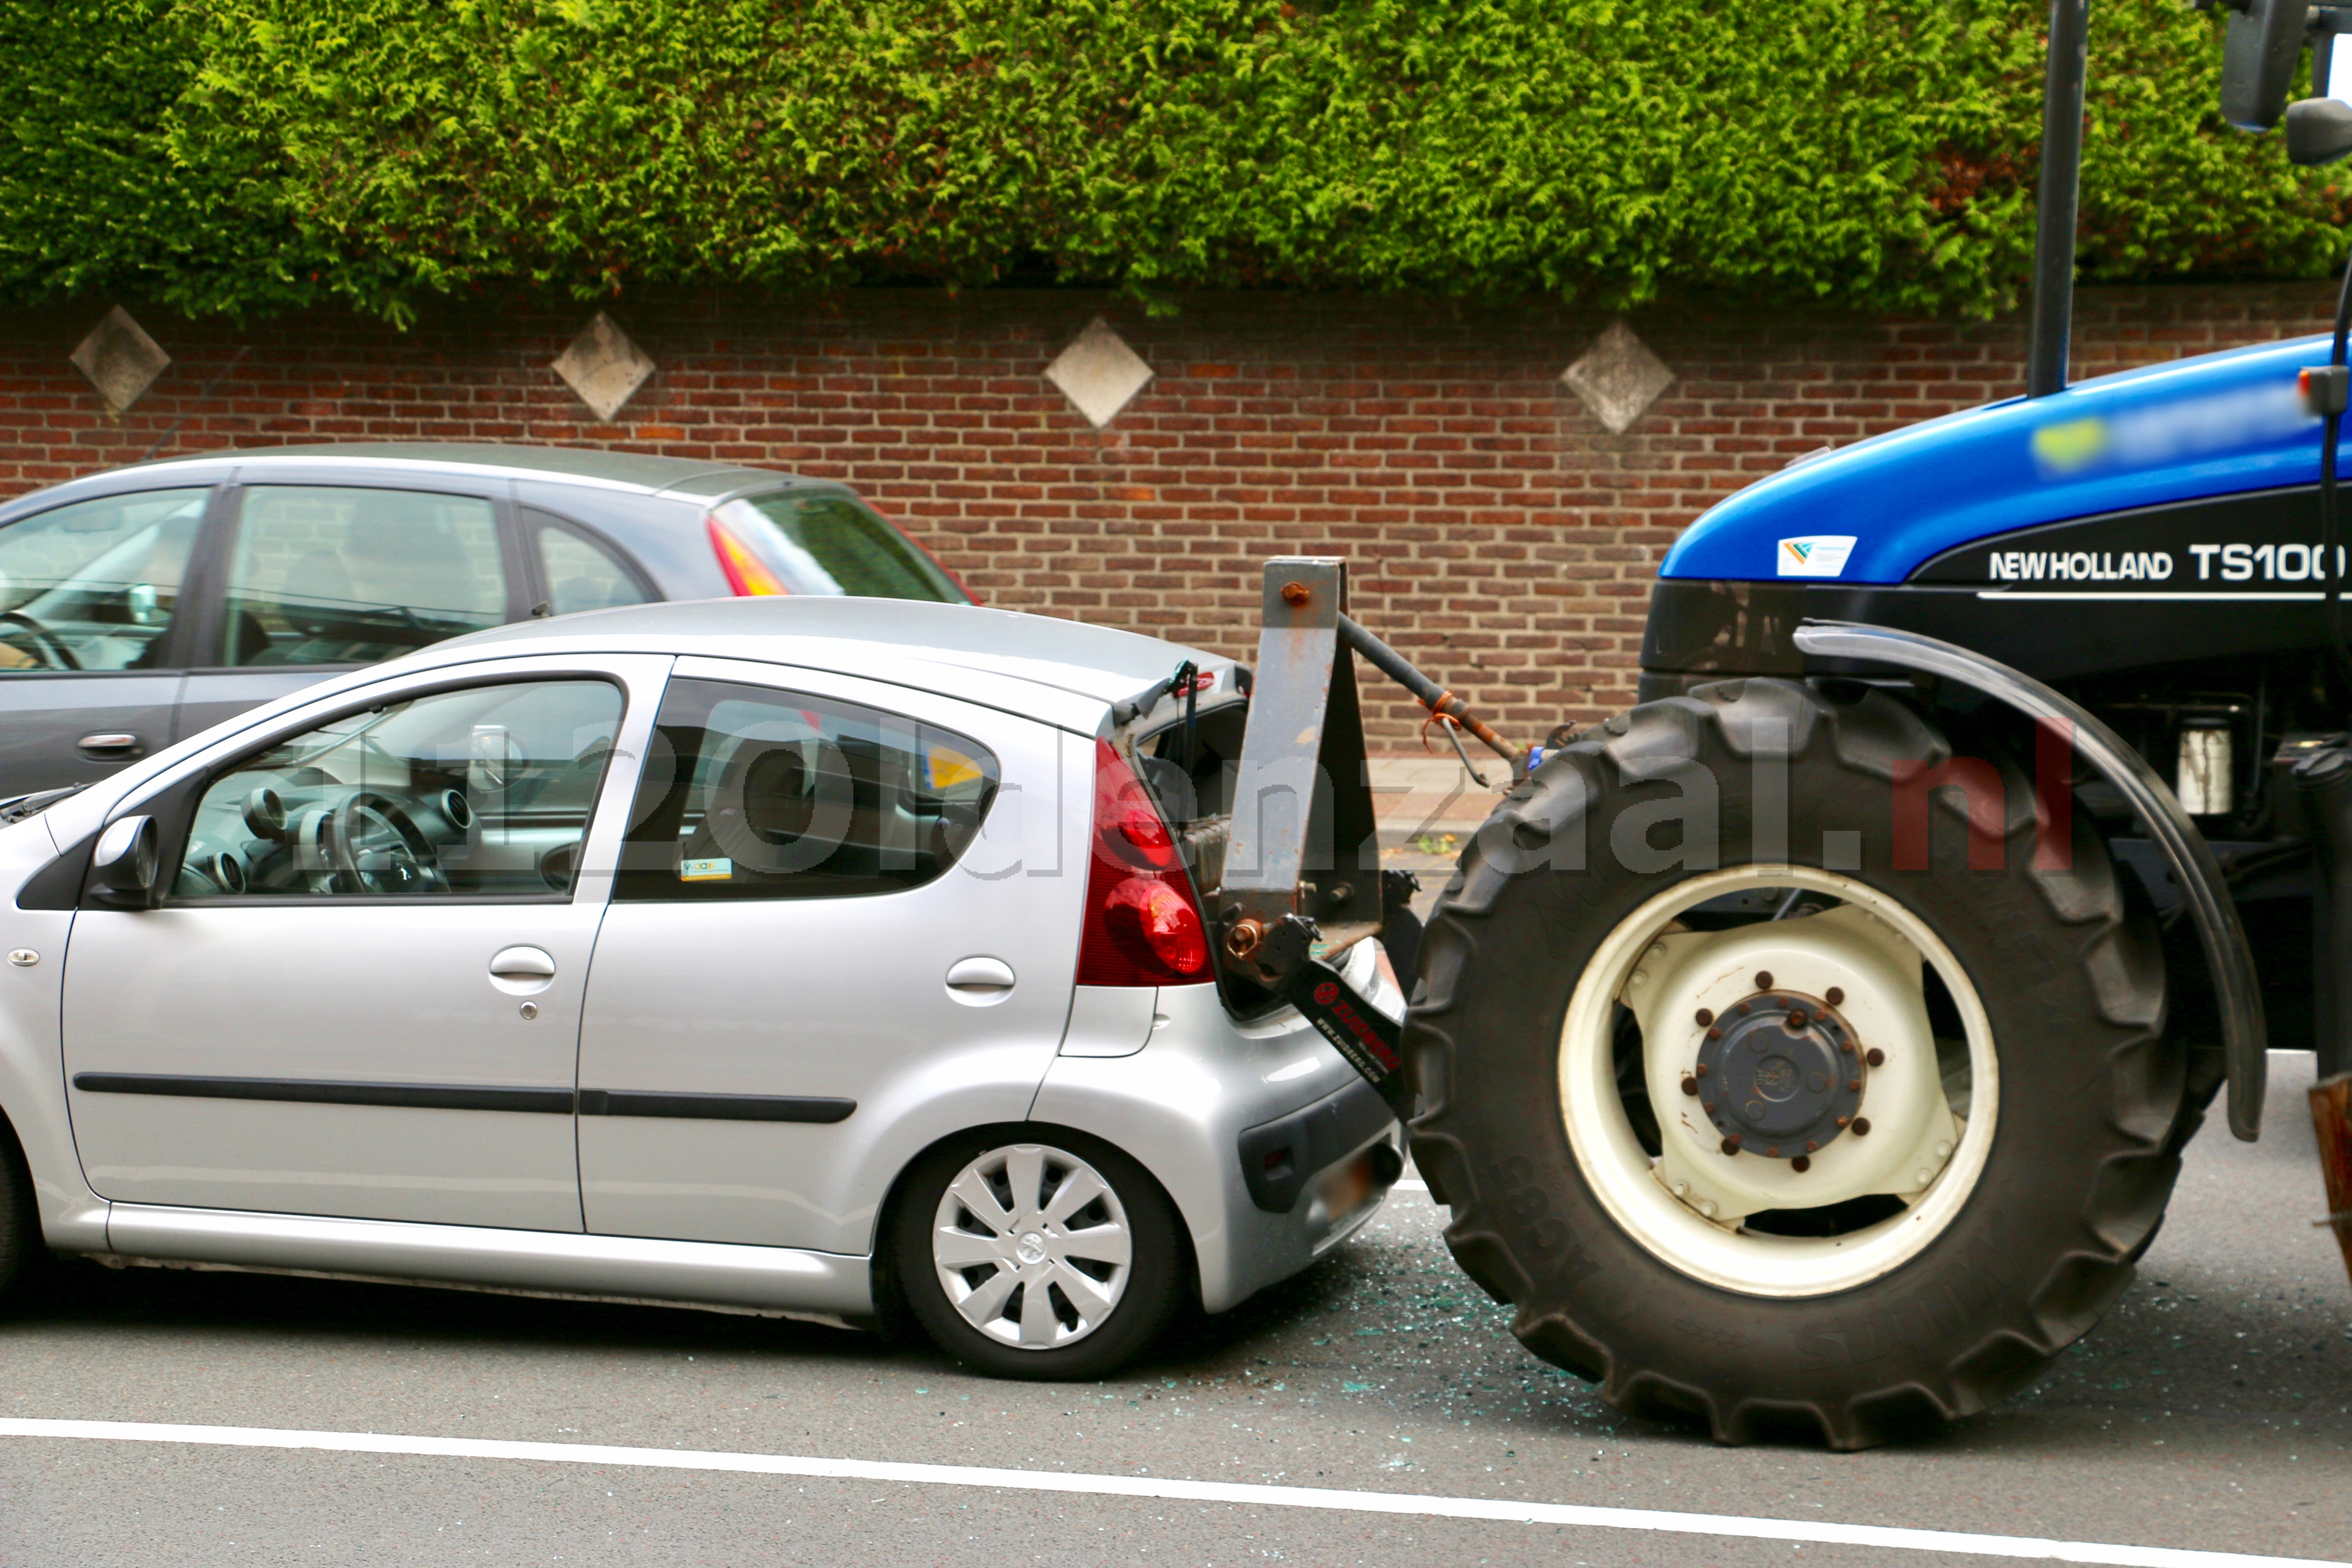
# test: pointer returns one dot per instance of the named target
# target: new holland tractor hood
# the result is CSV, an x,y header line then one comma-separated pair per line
x,y
1882,510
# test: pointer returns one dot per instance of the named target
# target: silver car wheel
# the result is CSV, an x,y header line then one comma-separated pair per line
x,y
1032,1247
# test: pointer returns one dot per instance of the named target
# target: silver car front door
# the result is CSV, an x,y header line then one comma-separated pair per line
x,y
93,636
845,925
360,995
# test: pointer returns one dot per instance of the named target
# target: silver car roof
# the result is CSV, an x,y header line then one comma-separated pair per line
x,y
630,471
960,649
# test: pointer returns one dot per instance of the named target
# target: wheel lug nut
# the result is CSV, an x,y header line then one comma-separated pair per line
x,y
1841,1121
1801,1165
1834,997
1860,1126
1763,979
1702,1069
1707,1106
1690,1085
1846,1046
1811,1146
1798,1019
1774,1151
1853,1085
1706,1017
1731,1144
1875,1057
1714,1034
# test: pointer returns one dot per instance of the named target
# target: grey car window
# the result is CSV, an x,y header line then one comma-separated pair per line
x,y
753,793
582,574
333,575
483,790
94,585
830,544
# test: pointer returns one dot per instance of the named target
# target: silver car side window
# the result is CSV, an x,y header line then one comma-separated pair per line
x,y
94,585
484,791
345,575
750,792
578,572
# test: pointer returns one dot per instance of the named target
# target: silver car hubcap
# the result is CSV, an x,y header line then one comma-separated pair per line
x,y
1032,1247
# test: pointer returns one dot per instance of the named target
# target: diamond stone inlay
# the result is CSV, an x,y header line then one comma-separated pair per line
x,y
1100,373
604,366
119,358
1618,378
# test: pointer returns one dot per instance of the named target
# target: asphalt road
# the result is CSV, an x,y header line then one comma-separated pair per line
x,y
2212,1411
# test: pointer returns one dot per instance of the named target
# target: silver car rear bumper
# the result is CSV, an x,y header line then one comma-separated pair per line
x,y
1181,1104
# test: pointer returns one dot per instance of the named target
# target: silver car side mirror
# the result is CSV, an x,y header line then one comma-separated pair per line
x,y
127,857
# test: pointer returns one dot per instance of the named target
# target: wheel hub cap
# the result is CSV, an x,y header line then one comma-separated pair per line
x,y
1782,1073
1032,1247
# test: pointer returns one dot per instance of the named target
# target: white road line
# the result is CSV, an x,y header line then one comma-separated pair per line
x,y
1242,1493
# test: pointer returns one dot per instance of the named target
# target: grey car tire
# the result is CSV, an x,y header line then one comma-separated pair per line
x,y
1038,1253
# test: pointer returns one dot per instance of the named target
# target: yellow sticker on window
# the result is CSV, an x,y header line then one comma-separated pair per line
x,y
705,871
949,768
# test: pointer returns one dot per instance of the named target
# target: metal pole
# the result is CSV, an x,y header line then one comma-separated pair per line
x,y
2061,175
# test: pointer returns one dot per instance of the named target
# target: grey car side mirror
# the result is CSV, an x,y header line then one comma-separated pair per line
x,y
2318,130
127,857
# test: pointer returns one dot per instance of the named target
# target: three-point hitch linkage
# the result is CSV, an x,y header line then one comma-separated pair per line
x,y
1301,880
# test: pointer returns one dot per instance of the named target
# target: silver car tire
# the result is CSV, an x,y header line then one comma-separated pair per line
x,y
21,1252
1038,1253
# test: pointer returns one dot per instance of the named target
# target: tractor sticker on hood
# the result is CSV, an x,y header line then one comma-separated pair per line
x,y
2160,433
1815,555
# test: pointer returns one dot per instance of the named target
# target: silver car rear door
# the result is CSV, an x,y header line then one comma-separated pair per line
x,y
762,1052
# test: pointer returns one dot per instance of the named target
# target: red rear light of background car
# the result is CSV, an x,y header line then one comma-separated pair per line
x,y
747,574
1143,926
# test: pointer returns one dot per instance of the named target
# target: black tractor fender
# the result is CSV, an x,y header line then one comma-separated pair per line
x,y
2199,875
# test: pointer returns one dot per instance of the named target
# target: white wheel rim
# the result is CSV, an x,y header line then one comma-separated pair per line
x,y
1637,1192
1032,1247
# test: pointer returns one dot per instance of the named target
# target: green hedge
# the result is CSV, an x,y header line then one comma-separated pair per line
x,y
245,155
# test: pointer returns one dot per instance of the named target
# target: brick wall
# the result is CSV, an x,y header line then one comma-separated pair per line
x,y
1498,533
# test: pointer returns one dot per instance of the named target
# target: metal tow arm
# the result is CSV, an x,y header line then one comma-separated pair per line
x,y
1302,864
1284,956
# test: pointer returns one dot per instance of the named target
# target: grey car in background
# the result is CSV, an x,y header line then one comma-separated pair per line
x,y
141,605
799,955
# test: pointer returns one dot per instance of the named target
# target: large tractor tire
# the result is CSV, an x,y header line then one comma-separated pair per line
x,y
1840,1128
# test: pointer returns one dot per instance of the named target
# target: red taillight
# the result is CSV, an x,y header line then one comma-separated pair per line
x,y
747,574
1142,926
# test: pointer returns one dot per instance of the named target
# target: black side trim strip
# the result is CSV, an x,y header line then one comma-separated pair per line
x,y
473,1097
313,1092
715,1107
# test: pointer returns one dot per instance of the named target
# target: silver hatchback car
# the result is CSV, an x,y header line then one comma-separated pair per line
x,y
804,957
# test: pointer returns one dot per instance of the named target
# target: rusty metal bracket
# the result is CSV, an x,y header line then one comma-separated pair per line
x,y
1304,839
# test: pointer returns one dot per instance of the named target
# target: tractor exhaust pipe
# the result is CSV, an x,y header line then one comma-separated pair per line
x,y
2062,180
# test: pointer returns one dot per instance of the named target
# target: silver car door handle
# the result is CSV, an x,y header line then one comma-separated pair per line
x,y
109,740
980,979
522,965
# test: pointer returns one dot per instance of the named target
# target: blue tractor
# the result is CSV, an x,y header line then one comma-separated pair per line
x,y
1988,810
1812,1048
